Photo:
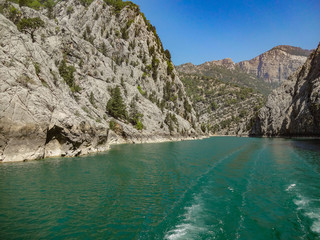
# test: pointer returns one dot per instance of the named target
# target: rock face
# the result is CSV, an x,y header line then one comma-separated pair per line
x,y
55,83
277,64
294,108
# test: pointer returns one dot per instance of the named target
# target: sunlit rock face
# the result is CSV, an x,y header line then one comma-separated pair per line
x,y
56,82
294,108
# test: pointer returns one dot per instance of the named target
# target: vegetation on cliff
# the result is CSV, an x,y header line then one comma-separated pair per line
x,y
222,108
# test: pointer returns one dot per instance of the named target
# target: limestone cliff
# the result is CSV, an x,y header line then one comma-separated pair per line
x,y
65,68
277,64
294,108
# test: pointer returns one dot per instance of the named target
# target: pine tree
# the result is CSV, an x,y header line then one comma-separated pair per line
x,y
115,106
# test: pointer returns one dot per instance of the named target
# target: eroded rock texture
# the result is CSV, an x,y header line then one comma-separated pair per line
x,y
294,108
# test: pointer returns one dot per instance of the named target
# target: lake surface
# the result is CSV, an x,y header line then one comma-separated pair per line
x,y
217,188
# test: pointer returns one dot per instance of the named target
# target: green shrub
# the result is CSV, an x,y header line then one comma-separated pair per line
x,y
143,93
151,50
75,88
187,106
36,67
103,49
136,118
66,73
132,44
35,4
124,34
169,68
139,125
92,100
14,14
49,4
112,125
168,54
118,5
213,106
243,113
70,10
30,25
86,2
170,120
167,91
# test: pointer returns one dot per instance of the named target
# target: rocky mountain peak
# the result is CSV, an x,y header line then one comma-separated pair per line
x,y
226,62
277,64
293,50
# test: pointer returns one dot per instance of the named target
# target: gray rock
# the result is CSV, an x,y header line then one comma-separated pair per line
x,y
293,108
277,64
41,116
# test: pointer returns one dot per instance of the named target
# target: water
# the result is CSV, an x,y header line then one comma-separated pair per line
x,y
217,188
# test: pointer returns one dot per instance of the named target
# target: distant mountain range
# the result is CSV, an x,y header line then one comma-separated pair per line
x,y
271,67
227,96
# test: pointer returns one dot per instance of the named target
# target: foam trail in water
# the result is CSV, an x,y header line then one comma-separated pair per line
x,y
303,204
306,205
290,187
315,215
244,194
192,219
202,176
190,223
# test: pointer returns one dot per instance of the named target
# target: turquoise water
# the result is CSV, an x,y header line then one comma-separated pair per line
x,y
217,188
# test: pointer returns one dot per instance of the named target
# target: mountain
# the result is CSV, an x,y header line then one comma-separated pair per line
x,y
222,108
262,73
222,83
227,71
78,75
277,64
294,108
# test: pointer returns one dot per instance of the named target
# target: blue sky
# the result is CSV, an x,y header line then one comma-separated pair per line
x,y
199,31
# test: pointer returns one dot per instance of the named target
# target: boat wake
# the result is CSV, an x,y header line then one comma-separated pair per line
x,y
192,223
291,186
305,206
248,189
191,226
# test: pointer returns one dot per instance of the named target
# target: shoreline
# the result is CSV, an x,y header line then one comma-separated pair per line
x,y
89,150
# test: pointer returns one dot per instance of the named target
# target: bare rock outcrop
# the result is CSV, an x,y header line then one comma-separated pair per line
x,y
277,64
293,108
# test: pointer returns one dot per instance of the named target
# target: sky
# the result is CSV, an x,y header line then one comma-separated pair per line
x,y
203,30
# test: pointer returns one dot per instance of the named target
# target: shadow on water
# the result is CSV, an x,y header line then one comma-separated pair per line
x,y
306,144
